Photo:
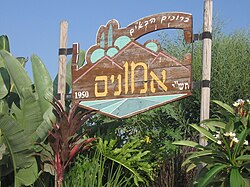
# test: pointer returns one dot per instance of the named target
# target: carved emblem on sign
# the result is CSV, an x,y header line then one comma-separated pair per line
x,y
123,77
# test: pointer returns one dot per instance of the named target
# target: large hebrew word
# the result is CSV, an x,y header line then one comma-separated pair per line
x,y
147,77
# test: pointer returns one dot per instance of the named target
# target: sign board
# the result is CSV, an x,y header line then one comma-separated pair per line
x,y
123,77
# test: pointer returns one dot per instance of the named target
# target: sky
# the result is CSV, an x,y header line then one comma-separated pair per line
x,y
33,26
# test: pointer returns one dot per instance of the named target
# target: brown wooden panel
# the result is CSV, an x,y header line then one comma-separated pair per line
x,y
118,66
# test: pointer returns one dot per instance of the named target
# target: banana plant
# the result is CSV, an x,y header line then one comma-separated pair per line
x,y
29,113
32,102
24,103
27,103
18,150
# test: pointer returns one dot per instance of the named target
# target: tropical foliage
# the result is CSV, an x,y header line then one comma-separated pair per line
x,y
230,53
160,127
96,170
66,138
27,106
28,114
226,158
130,156
114,166
129,152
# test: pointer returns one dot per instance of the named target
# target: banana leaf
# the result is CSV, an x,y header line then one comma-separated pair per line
x,y
4,82
16,71
42,82
43,87
4,78
2,146
27,176
29,114
23,62
18,146
4,43
4,109
42,129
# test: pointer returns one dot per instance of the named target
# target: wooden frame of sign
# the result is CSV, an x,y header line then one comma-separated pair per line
x,y
122,77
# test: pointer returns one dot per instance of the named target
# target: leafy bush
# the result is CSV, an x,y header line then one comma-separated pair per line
x,y
112,165
230,78
225,160
96,170
131,156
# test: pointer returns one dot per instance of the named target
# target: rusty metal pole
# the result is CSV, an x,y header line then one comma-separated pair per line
x,y
206,65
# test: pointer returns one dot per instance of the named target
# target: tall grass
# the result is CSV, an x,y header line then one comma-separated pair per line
x,y
96,171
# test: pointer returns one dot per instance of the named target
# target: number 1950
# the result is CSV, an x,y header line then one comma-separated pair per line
x,y
81,94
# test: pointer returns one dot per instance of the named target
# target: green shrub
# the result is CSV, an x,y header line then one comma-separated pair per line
x,y
111,165
225,159
89,171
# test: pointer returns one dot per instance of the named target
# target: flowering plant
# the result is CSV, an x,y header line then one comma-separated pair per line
x,y
225,160
242,107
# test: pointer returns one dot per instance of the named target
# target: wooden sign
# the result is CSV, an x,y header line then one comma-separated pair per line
x,y
123,77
